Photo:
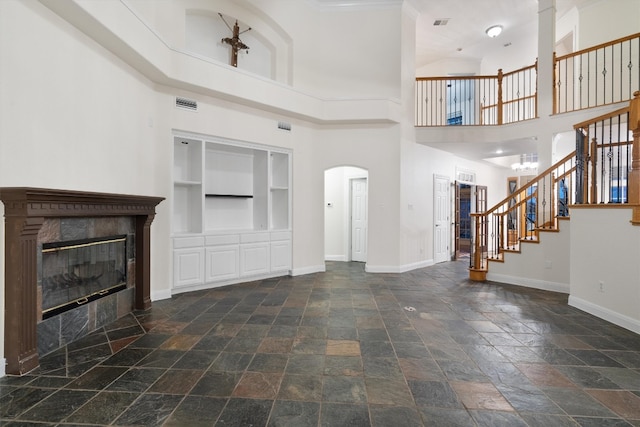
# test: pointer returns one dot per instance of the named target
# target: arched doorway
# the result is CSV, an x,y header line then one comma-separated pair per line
x,y
346,214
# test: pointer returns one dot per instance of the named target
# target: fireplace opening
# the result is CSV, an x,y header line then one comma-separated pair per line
x,y
77,272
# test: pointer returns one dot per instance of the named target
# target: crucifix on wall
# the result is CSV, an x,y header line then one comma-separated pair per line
x,y
234,41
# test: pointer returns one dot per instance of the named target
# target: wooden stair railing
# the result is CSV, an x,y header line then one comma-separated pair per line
x,y
604,170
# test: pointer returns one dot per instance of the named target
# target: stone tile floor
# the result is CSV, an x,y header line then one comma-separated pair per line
x,y
342,348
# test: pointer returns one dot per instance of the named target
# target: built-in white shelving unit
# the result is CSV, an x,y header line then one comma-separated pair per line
x,y
231,211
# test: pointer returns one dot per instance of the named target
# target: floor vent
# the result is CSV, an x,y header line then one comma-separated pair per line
x,y
188,104
284,126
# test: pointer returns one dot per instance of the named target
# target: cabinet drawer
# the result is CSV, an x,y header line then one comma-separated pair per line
x,y
280,235
222,239
254,237
188,242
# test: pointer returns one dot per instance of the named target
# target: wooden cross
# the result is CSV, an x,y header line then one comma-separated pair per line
x,y
234,41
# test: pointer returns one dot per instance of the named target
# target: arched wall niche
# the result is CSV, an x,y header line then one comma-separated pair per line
x,y
270,53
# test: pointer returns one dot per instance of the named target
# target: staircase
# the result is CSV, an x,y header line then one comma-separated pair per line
x,y
604,170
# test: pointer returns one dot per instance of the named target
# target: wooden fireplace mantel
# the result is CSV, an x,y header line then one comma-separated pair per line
x,y
25,210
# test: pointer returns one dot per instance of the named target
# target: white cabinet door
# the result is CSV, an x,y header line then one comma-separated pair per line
x,y
223,263
281,255
254,259
188,265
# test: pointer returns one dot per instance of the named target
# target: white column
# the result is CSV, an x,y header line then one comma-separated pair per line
x,y
546,46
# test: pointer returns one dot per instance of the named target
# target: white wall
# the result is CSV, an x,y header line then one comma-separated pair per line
x,y
540,265
609,254
602,21
337,192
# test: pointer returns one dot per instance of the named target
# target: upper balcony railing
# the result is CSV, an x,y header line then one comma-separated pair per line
x,y
605,74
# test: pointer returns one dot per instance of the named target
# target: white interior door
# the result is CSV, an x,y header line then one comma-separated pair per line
x,y
359,219
441,214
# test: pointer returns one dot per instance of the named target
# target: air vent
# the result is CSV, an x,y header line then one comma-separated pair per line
x,y
440,22
284,126
188,104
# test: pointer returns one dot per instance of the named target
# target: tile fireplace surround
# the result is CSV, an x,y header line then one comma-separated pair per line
x,y
26,210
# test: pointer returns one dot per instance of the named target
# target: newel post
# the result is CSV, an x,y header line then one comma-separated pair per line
x,y
634,175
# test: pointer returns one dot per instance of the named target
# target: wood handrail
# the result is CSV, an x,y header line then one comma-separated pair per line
x,y
419,79
519,70
600,118
530,183
600,46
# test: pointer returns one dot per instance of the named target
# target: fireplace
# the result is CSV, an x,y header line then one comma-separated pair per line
x,y
38,220
77,272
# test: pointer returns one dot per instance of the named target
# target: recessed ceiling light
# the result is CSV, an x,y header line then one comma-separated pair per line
x,y
494,31
499,151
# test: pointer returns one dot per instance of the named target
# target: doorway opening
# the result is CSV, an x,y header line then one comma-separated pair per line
x,y
469,198
345,214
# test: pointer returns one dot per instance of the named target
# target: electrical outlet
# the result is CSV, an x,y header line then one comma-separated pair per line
x,y
601,286
548,265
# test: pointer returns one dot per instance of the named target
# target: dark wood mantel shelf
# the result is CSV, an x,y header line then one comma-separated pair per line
x,y
25,210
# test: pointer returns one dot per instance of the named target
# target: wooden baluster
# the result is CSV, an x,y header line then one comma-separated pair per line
x,y
555,84
500,104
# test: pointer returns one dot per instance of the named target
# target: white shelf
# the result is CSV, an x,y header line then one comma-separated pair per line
x,y
187,183
231,211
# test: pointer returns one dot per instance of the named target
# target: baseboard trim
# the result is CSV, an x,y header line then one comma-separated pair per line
x,y
606,314
160,295
529,283
308,270
397,269
339,258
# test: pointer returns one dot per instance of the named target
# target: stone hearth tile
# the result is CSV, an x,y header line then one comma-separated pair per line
x,y
176,381
434,393
381,367
169,327
268,362
104,408
161,359
196,411
291,413
544,375
118,345
421,369
231,362
344,389
622,402
343,365
394,416
196,359
245,412
388,392
309,346
180,342
258,385
220,384
97,378
338,414
18,401
301,387
136,379
149,409
58,406
343,348
480,396
275,345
